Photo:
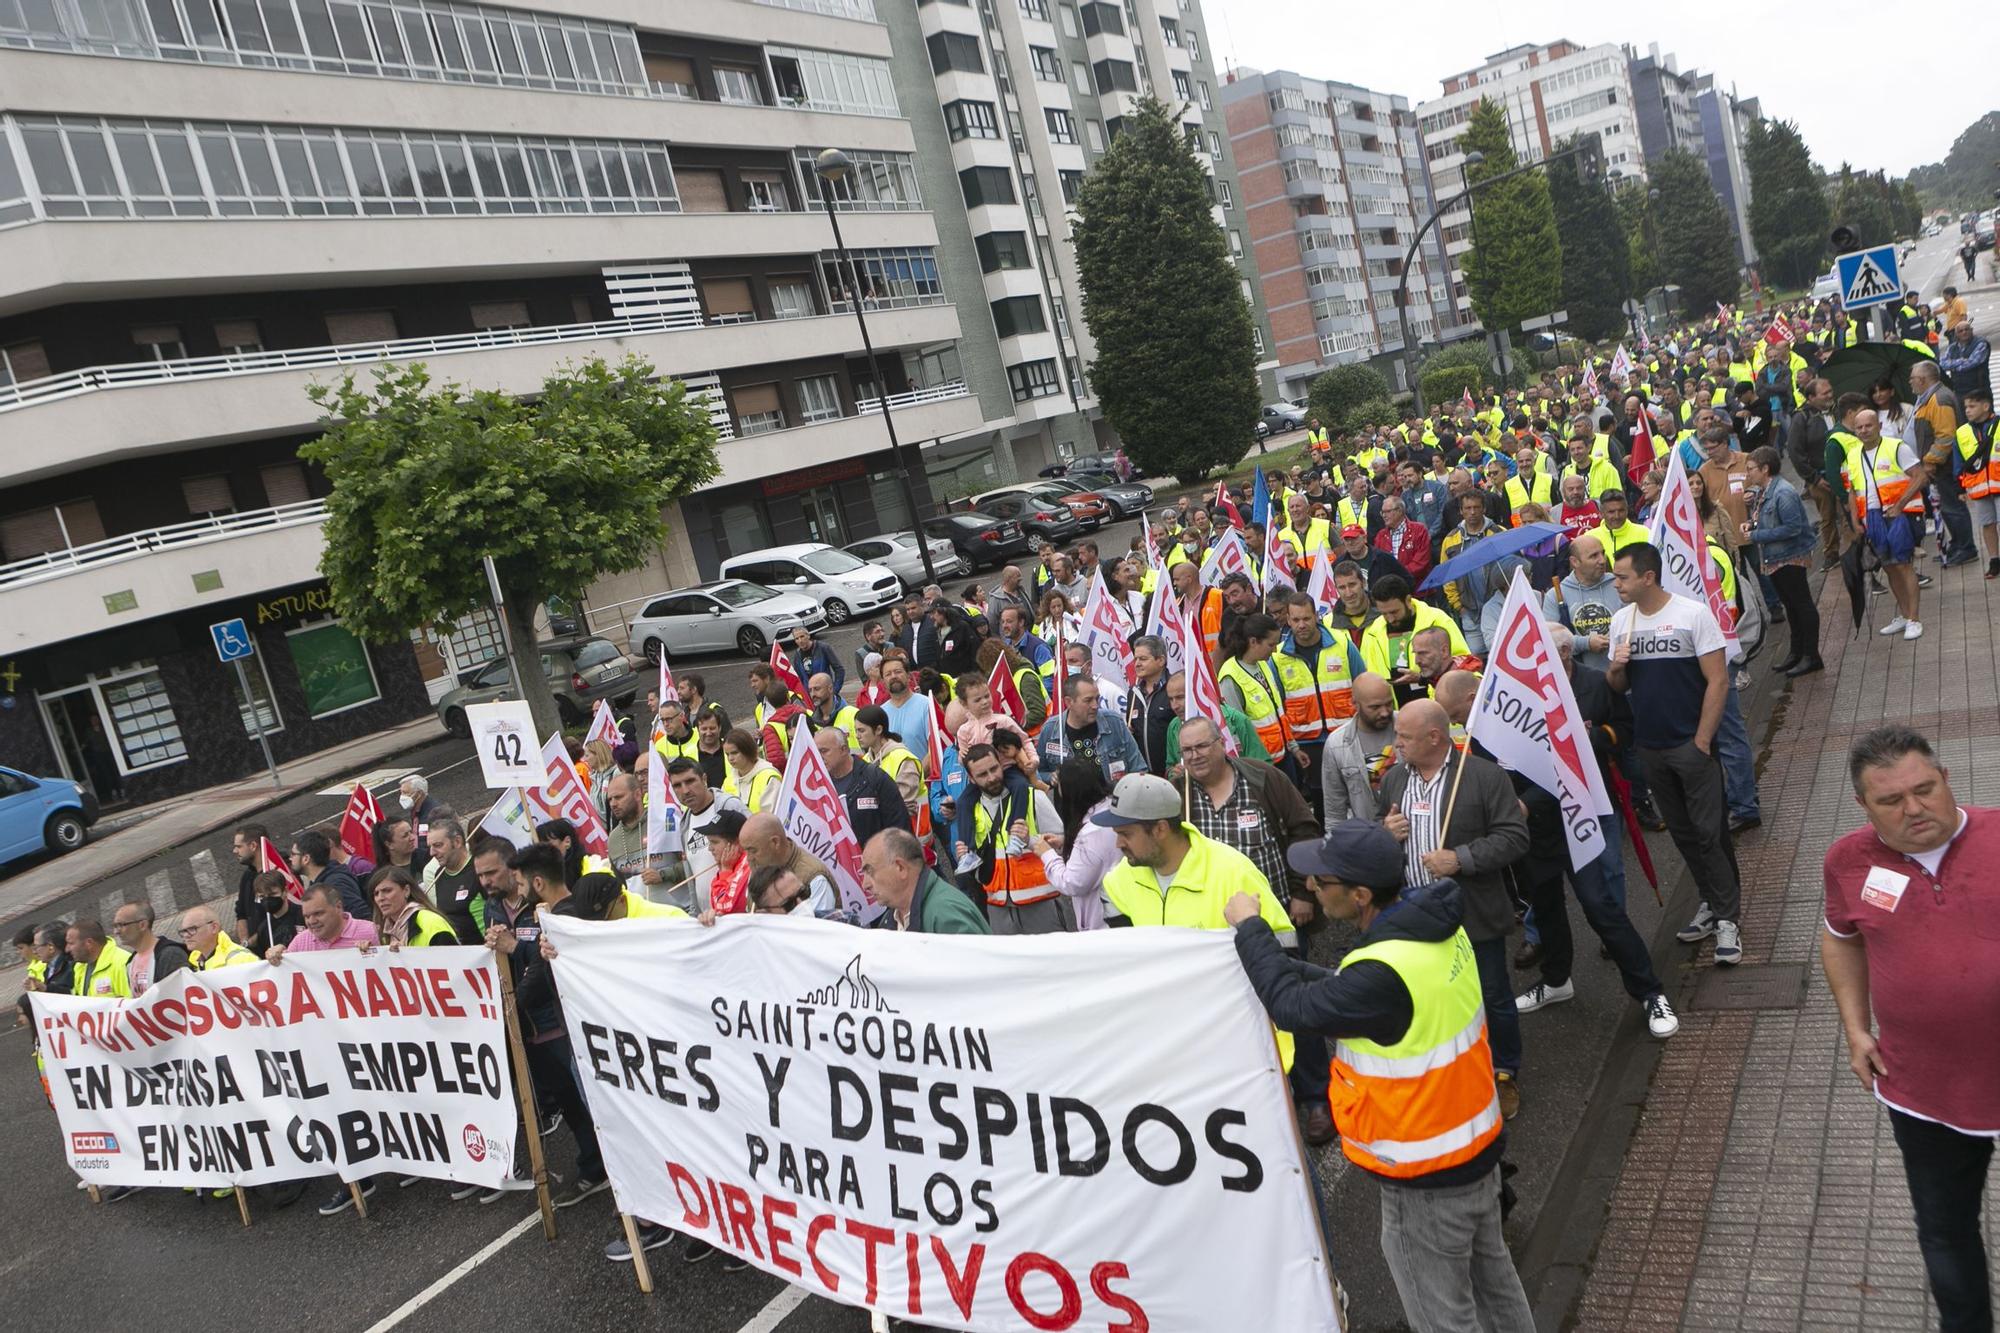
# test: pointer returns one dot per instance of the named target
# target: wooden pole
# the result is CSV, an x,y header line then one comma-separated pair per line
x,y
640,1268
1451,801
243,1205
1319,1220
96,1195
360,1204
524,1090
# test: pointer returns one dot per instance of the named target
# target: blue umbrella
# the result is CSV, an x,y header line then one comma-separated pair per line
x,y
1511,541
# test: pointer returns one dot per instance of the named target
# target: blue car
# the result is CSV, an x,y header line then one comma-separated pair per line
x,y
38,813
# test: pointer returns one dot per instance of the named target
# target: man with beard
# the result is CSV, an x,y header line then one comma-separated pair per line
x,y
1385,644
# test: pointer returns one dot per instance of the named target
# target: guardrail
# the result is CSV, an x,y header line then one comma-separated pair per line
x,y
69,560
910,398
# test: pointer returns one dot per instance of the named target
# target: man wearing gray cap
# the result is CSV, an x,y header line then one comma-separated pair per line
x,y
1413,1090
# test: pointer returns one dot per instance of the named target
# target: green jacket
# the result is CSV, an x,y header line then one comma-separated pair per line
x,y
939,908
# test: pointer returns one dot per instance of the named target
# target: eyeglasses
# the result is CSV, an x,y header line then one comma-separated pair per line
x,y
126,925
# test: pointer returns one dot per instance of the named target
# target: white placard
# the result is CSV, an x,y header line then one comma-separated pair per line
x,y
503,736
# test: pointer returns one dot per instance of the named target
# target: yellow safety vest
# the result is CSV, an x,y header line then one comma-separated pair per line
x,y
228,953
105,977
760,778
636,907
1542,492
1261,703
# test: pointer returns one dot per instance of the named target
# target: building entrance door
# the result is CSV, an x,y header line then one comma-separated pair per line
x,y
82,747
822,515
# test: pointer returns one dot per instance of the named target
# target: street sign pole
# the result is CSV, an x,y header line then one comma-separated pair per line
x,y
257,722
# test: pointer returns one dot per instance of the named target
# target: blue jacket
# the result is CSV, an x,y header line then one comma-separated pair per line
x,y
1115,746
820,659
1783,531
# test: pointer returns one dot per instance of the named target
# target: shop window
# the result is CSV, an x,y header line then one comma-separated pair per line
x,y
260,710
145,733
334,671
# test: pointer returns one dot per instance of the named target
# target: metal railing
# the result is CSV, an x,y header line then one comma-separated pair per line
x,y
222,527
910,398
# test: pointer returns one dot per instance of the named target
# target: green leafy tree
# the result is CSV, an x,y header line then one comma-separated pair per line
x,y
1176,367
1636,222
1514,269
1970,172
1596,264
1861,201
1789,214
1337,392
428,479
1447,384
1696,243
1473,354
1374,412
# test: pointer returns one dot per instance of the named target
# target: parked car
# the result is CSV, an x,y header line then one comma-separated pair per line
x,y
1091,509
898,551
980,539
720,616
1042,519
846,587
42,814
1827,286
580,672
1125,497
1277,418
1982,232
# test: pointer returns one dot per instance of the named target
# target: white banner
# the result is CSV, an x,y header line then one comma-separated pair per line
x,y
1165,617
1526,715
1686,568
953,1129
815,817
329,1063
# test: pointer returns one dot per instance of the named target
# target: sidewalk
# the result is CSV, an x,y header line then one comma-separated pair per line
x,y
1762,1188
144,832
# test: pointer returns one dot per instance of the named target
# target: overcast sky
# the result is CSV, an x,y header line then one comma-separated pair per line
x,y
1809,64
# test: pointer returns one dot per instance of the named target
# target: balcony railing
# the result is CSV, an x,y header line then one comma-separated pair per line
x,y
56,564
936,393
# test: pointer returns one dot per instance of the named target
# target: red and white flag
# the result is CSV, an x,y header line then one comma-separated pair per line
x,y
603,726
1621,363
1204,696
1230,556
270,858
1165,620
1319,585
1227,506
1006,694
1466,402
1110,655
815,817
1589,384
934,745
1640,460
664,815
1686,566
565,797
781,666
1778,332
1527,718
669,692
1281,562
357,825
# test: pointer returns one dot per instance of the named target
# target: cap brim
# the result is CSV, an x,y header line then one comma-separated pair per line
x,y
1308,858
1112,819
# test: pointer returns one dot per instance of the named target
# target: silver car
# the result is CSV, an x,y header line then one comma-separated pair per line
x,y
898,551
720,616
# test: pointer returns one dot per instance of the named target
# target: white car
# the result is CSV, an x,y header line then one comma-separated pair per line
x,y
846,587
715,617
898,551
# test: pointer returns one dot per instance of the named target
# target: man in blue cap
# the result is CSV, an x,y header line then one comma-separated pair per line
x,y
1412,1090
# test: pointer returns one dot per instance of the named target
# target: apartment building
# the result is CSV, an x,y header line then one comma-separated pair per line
x,y
1335,186
208,205
1725,125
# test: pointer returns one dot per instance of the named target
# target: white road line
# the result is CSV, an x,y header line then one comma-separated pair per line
x,y
160,893
443,1284
107,907
772,1315
207,876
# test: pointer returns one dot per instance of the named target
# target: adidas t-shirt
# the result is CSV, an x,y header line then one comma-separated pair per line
x,y
1664,676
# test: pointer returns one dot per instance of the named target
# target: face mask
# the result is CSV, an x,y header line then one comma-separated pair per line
x,y
407,803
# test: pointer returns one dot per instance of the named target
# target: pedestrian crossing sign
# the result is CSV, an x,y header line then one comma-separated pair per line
x,y
1869,277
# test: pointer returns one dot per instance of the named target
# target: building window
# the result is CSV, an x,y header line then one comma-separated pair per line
x,y
819,399
260,711
1018,315
238,337
877,181
728,300
1093,134
284,484
738,85
207,496
1203,95
1102,18
1223,192
758,409
1034,379
986,185
1079,79
334,671
764,192
1062,125
1235,242
1182,89
1036,9
1048,65
1072,185
971,120
899,277
1193,44
792,298
500,315
1002,250
159,342
360,326
142,722
57,527
1070,26
22,360
1115,76
954,50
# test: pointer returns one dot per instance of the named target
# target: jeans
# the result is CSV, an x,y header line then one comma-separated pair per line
x,y
1475,637
1613,862
1503,1019
1947,1175
1959,546
1739,766
1449,1260
1312,1068
1687,789
1626,753
1801,612
1541,880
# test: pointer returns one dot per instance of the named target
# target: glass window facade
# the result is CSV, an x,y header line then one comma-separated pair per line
x,y
879,182
905,275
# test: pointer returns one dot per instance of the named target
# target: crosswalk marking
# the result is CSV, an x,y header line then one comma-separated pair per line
x,y
208,882
160,893
107,907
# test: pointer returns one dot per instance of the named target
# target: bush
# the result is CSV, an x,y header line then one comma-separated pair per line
x,y
1474,354
1340,390
1448,384
1374,412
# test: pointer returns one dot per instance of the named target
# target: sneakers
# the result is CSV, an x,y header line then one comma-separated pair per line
x,y
113,1193
1649,815
651,1237
494,1195
1510,1095
1896,626
1541,995
696,1251
583,1189
1744,823
1728,943
1913,630
464,1192
1661,1020
344,1200
1698,929
1925,580
407,1181
550,1123
1316,1124
1528,955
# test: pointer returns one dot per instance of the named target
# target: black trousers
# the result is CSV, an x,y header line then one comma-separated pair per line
x,y
1801,612
1947,1175
553,1072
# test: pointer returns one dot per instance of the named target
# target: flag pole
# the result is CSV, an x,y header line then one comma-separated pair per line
x,y
1451,801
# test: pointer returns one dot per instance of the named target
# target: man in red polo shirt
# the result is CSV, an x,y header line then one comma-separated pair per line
x,y
1911,948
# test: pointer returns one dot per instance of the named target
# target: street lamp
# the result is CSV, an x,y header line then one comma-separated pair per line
x,y
833,167
1472,159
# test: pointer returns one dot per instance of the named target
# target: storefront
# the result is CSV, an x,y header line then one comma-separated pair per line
x,y
147,711
835,503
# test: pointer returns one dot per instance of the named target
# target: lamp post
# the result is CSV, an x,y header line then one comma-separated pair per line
x,y
1472,159
832,167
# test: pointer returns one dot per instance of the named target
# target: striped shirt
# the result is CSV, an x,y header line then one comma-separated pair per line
x,y
1423,806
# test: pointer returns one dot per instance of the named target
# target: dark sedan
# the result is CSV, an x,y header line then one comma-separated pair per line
x,y
1043,520
982,540
1125,497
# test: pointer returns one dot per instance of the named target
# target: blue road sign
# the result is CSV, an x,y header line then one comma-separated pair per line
x,y
232,640
1869,277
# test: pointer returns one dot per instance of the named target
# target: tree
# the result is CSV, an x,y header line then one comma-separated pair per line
x,y
1697,246
1635,220
1176,367
1789,215
1514,269
429,479
1965,180
1596,265
1861,201
1337,392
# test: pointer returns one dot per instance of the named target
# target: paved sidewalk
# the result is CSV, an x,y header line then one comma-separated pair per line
x,y
198,814
1762,1188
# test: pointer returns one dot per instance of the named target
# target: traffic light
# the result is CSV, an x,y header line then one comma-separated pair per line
x,y
1844,239
1590,159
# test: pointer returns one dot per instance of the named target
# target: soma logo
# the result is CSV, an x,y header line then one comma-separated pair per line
x,y
97,1142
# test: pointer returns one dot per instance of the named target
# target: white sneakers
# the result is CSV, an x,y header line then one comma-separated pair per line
x,y
1896,626
1661,1020
1541,995
1913,630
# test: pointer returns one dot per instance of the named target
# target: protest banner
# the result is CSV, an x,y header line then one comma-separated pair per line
x,y
1281,561
503,736
563,796
328,1063
1686,568
815,818
1166,619
1527,717
270,858
921,1126
782,668
1204,694
603,726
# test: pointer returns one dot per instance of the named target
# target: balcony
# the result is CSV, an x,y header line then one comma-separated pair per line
x,y
124,411
922,415
63,594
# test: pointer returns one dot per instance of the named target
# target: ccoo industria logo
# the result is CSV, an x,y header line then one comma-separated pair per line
x,y
850,990
95,1144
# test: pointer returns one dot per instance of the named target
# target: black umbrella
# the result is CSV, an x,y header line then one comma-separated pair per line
x,y
1859,368
1857,566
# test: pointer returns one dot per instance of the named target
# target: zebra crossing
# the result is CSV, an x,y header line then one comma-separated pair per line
x,y
170,892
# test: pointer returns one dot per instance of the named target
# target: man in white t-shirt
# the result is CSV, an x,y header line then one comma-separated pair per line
x,y
1893,533
1667,652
